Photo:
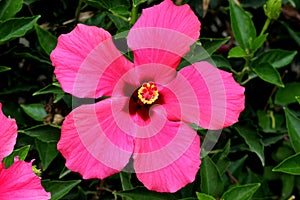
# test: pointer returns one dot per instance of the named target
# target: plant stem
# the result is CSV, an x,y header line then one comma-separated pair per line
x,y
246,81
77,12
234,72
134,11
266,25
243,72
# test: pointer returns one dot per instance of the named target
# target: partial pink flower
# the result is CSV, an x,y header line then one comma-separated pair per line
x,y
8,135
151,105
18,182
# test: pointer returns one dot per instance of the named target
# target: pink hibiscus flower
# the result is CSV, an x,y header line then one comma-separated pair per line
x,y
151,105
18,181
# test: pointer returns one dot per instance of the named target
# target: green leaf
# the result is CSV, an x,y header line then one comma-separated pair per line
x,y
31,55
237,52
290,165
258,42
269,175
272,140
242,25
253,141
47,152
46,39
54,89
276,57
142,193
4,68
58,97
266,72
65,171
213,44
250,177
221,62
97,20
202,50
45,133
121,12
236,167
49,89
282,152
138,2
19,88
264,121
241,192
203,196
211,180
221,158
21,153
293,126
35,111
8,8
126,180
270,122
100,4
59,189
235,170
16,27
287,94
119,22
288,185
298,99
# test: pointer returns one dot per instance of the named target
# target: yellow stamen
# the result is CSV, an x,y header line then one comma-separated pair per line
x,y
148,93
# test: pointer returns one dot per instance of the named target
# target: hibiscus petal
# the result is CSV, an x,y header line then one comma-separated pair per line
x,y
92,142
168,160
157,73
87,63
8,135
18,182
180,101
204,95
163,34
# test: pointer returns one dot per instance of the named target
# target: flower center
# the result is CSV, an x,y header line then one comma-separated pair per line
x,y
148,93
